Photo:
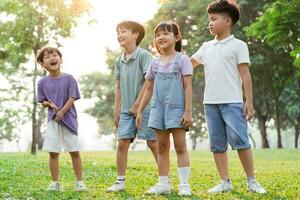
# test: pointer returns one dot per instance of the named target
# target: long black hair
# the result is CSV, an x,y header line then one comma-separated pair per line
x,y
170,27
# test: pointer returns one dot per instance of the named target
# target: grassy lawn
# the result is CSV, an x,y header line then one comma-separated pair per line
x,y
23,176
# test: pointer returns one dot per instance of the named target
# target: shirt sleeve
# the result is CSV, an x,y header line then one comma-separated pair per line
x,y
186,66
40,93
146,62
150,72
73,90
117,71
243,54
198,56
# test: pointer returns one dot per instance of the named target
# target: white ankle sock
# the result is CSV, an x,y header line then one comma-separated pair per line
x,y
163,180
121,179
184,173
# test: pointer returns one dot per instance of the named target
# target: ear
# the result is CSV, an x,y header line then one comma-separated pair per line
x,y
229,21
177,38
136,34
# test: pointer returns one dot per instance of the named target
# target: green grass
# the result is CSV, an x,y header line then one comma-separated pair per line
x,y
23,176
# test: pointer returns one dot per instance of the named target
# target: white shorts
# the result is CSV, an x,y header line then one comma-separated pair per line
x,y
58,138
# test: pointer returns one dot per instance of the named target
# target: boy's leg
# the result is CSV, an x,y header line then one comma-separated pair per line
x,y
152,144
77,164
53,165
221,161
218,140
246,159
122,155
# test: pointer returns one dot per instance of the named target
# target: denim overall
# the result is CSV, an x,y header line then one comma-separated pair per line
x,y
167,106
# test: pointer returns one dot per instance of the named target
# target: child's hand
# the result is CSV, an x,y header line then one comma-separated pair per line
x,y
248,110
138,120
133,110
53,107
59,115
187,121
116,119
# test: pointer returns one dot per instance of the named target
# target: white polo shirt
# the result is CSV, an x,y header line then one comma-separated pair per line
x,y
221,58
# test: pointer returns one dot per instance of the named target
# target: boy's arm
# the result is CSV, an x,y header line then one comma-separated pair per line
x,y
187,117
68,105
194,62
47,103
117,103
148,91
134,108
247,84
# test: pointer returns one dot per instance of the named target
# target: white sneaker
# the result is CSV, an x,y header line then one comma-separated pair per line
x,y
254,186
117,187
184,190
160,189
54,186
221,187
80,186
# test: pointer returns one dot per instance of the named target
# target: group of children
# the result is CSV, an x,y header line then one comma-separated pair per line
x,y
167,82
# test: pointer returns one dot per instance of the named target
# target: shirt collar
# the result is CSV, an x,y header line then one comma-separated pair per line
x,y
215,41
133,56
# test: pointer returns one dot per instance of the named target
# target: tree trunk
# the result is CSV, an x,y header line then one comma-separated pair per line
x,y
278,124
41,119
34,119
297,131
253,141
263,131
194,142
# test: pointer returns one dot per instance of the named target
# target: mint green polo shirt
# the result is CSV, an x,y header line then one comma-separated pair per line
x,y
131,74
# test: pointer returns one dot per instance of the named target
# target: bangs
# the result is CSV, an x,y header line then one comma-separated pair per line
x,y
163,27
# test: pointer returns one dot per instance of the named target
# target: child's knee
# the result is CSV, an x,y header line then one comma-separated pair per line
x,y
75,154
163,147
123,145
180,149
152,144
53,155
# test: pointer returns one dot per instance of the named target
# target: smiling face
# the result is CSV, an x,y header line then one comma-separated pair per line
x,y
51,61
165,40
126,37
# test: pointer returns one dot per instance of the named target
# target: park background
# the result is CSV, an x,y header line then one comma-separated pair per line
x,y
84,30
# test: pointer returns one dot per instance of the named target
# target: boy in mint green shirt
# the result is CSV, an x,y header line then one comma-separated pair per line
x,y
130,70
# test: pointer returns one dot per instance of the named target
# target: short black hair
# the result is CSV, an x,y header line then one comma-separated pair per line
x,y
135,28
223,6
170,27
50,50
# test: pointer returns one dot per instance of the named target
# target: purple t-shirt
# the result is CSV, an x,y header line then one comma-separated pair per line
x,y
59,90
185,66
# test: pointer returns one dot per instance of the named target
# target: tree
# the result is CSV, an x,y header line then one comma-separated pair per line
x,y
280,28
35,24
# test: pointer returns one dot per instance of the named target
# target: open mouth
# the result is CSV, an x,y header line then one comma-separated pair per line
x,y
53,63
121,39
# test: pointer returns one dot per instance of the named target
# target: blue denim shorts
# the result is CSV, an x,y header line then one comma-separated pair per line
x,y
127,128
226,124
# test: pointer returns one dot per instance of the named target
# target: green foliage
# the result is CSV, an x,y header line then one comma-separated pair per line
x,y
26,177
280,27
100,88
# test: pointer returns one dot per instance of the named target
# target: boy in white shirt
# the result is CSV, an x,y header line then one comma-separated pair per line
x,y
226,61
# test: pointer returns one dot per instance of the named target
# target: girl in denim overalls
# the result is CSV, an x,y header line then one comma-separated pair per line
x,y
169,79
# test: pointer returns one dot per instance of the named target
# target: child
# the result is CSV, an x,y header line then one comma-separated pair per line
x,y
169,79
58,91
130,68
226,61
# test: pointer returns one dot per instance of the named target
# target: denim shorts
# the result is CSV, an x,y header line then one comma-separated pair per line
x,y
226,124
165,116
127,127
